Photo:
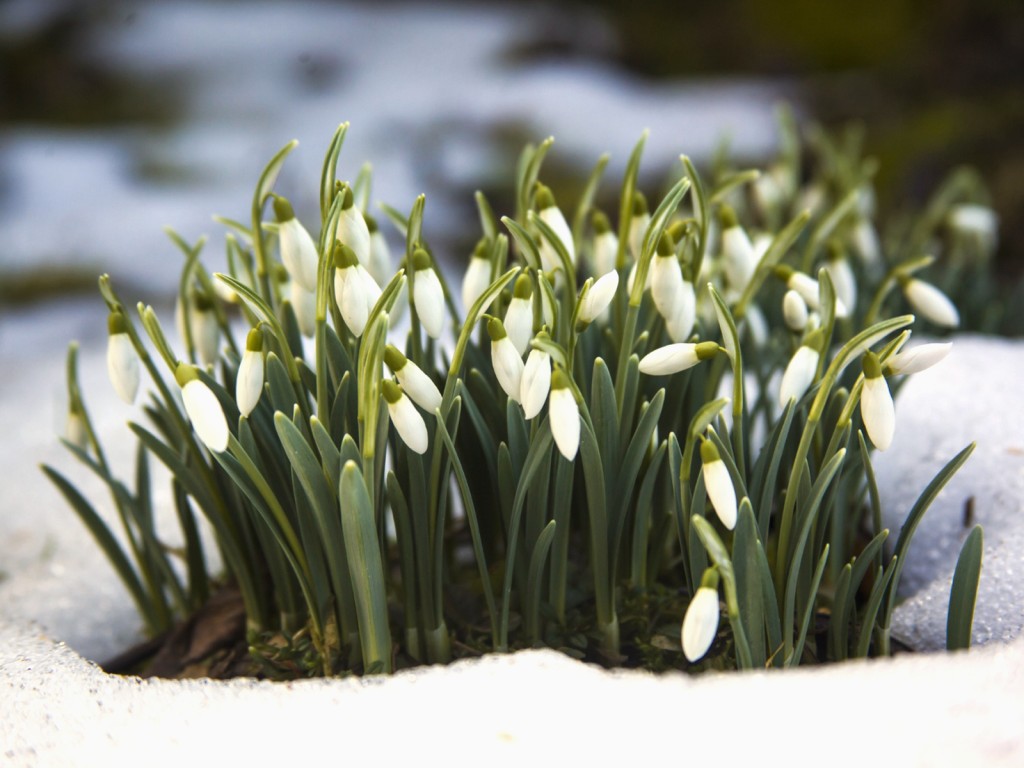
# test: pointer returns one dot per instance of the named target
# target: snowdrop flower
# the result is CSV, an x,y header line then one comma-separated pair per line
x,y
205,331
597,298
808,288
427,294
478,275
916,359
638,227
929,302
666,277
203,408
865,243
876,408
551,215
718,484
412,379
564,414
354,290
122,360
249,381
406,419
794,311
298,251
606,244
756,325
519,315
739,260
801,370
677,357
700,624
380,254
843,280
536,381
352,229
680,325
974,220
507,362
75,431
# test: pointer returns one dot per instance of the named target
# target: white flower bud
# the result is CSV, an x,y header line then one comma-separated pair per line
x,y
355,291
718,484
536,382
406,419
606,245
843,280
794,311
801,371
352,229
507,362
478,276
931,303
700,624
564,415
75,431
674,358
876,406
380,254
917,359
203,409
413,380
519,315
865,243
599,297
666,278
680,325
298,251
427,294
122,360
739,260
974,220
249,380
551,215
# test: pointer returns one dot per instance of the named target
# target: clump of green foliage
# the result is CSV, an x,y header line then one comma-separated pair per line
x,y
388,483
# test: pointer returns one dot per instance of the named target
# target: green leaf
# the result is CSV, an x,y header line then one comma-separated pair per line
x,y
586,202
365,568
805,625
745,551
964,592
535,581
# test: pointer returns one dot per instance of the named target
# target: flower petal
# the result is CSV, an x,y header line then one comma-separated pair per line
x,y
249,381
428,301
721,492
669,359
206,415
409,424
536,382
565,421
700,624
877,411
123,366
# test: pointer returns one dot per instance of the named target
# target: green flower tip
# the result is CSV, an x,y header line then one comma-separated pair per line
x,y
254,341
344,257
482,249
872,366
203,301
523,288
348,199
677,229
559,379
391,391
814,339
710,578
727,217
283,209
420,260
495,329
184,373
639,204
783,272
394,358
601,223
709,452
705,350
835,250
666,245
544,199
116,323
371,223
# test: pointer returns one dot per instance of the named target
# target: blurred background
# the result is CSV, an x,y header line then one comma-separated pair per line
x,y
118,118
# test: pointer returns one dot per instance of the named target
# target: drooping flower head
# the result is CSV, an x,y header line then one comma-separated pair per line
x,y
916,359
380,254
700,624
507,362
666,278
597,298
551,214
203,408
519,315
427,294
674,358
929,302
564,414
638,227
355,291
478,275
606,244
404,416
739,259
718,484
412,379
122,359
876,406
352,228
249,381
298,251
536,381
802,368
